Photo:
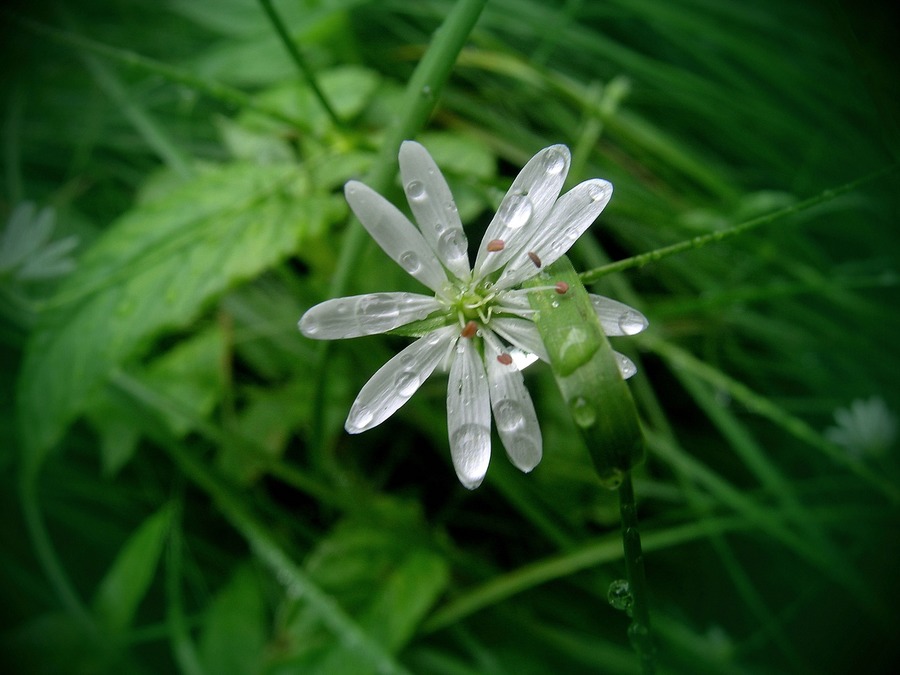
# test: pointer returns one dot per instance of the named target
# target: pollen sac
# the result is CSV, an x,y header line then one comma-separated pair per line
x,y
505,359
562,287
470,329
534,258
495,245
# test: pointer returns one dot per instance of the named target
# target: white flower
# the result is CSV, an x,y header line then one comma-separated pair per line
x,y
866,427
487,333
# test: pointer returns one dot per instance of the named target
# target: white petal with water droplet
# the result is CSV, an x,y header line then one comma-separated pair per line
x,y
617,318
529,200
522,333
433,207
469,415
514,415
398,379
370,314
398,237
626,365
572,214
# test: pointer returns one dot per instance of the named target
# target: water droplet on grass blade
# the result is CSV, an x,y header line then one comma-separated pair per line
x,y
620,596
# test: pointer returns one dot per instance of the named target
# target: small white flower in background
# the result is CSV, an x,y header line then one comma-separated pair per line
x,y
866,428
488,334
26,252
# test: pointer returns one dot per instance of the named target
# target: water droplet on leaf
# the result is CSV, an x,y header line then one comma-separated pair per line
x,y
583,412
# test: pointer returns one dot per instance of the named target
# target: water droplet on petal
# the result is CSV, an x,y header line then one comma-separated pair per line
x,y
471,444
407,383
583,412
632,322
452,245
410,262
360,416
515,211
597,192
508,414
620,596
554,162
415,190
378,305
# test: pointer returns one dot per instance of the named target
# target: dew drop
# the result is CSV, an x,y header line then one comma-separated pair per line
x,y
360,417
508,414
407,383
410,262
620,596
583,412
471,451
452,245
597,192
554,162
612,478
515,211
632,322
626,366
415,190
377,305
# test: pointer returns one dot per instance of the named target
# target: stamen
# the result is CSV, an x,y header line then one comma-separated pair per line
x,y
470,330
505,359
562,287
534,258
495,245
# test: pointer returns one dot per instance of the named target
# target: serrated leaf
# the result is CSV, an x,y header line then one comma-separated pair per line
x,y
125,584
587,373
156,269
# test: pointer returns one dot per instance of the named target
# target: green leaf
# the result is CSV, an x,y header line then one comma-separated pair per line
x,y
587,373
156,269
125,584
234,633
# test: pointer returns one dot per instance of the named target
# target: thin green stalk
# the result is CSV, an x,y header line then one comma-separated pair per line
x,y
639,632
299,60
591,276
12,155
183,648
603,550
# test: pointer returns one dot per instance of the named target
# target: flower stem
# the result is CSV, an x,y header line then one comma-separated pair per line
x,y
639,631
298,59
591,276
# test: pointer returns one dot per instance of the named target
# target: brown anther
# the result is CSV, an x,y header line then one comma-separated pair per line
x,y
562,287
470,330
504,358
495,245
534,258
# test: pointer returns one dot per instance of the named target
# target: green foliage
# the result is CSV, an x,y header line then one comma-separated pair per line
x,y
171,187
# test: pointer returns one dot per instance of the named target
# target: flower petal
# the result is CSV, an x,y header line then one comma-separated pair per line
x,y
398,237
469,415
617,318
514,413
435,211
369,314
626,365
398,379
572,214
521,333
523,209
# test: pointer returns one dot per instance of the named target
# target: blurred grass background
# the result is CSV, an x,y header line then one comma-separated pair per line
x,y
162,452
